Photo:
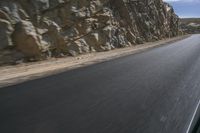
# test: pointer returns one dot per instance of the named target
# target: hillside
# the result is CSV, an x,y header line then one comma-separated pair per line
x,y
35,30
190,25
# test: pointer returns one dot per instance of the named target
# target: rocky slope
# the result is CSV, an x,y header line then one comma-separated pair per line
x,y
37,29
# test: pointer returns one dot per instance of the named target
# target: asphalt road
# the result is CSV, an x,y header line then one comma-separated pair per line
x,y
155,91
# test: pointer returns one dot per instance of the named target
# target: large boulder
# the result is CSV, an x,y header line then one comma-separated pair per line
x,y
26,39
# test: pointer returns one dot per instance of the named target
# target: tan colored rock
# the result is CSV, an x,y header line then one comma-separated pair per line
x,y
4,15
26,40
6,30
78,47
96,40
52,36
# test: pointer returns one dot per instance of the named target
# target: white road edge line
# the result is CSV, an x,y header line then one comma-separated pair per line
x,y
193,117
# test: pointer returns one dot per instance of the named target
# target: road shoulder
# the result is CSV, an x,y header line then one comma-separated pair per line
x,y
10,75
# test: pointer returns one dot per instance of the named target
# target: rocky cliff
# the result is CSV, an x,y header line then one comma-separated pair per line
x,y
37,29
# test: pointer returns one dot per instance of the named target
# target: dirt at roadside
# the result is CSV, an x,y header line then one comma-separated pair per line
x,y
10,75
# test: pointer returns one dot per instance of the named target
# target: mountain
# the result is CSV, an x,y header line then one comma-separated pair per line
x,y
37,29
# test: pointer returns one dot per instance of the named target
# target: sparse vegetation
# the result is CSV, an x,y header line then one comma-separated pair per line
x,y
190,25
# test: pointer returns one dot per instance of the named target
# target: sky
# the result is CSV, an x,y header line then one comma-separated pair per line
x,y
186,8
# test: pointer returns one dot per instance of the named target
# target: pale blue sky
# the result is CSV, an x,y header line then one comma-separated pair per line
x,y
186,8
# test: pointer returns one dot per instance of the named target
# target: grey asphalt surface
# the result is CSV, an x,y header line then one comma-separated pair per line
x,y
155,91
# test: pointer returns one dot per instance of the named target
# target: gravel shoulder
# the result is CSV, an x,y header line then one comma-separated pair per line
x,y
10,75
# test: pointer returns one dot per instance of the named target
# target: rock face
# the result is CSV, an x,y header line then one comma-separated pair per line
x,y
45,28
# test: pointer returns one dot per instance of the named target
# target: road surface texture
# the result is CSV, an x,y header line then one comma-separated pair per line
x,y
156,91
